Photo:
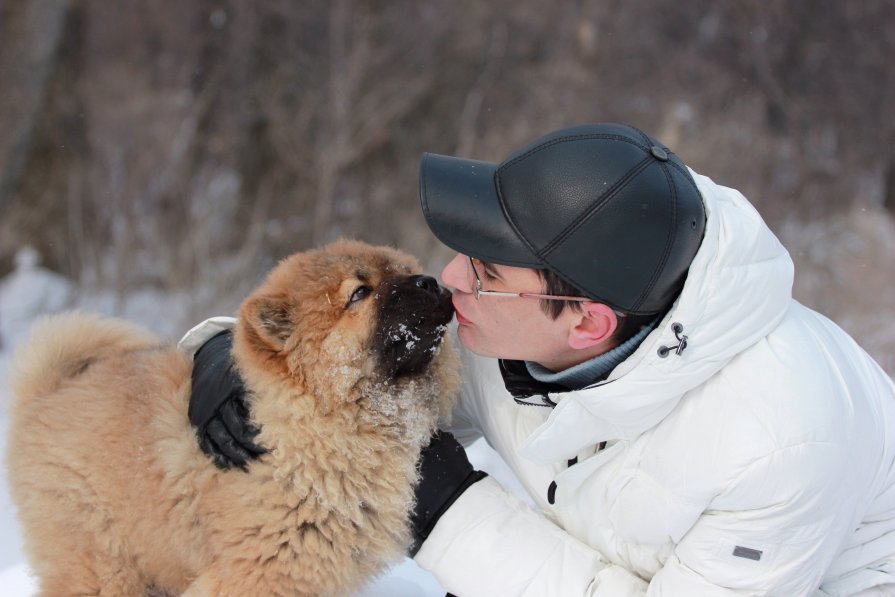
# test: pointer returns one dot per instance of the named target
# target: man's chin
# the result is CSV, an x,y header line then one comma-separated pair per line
x,y
467,337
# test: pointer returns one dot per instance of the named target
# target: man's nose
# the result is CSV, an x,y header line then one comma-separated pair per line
x,y
454,274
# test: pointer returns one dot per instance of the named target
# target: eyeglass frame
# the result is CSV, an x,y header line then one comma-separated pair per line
x,y
479,291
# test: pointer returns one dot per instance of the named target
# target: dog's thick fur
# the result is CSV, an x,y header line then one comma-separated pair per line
x,y
116,497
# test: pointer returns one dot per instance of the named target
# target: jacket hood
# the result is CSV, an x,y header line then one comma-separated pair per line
x,y
738,288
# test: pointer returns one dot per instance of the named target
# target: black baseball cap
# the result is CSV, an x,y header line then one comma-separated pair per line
x,y
606,207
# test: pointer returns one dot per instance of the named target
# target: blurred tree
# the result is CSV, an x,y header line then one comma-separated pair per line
x,y
144,141
32,36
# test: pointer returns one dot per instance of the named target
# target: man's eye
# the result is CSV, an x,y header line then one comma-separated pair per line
x,y
487,273
483,269
360,294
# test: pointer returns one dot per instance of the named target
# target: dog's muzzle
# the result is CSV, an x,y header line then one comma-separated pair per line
x,y
413,317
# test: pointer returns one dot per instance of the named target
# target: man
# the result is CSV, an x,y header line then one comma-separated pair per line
x,y
683,426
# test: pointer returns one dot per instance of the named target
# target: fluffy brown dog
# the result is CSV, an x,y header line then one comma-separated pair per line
x,y
341,351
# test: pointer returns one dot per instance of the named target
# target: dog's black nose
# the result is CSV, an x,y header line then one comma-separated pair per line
x,y
427,283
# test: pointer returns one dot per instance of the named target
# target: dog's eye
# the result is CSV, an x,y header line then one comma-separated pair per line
x,y
360,294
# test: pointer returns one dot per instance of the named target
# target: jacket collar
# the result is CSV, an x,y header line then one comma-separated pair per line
x,y
524,388
521,382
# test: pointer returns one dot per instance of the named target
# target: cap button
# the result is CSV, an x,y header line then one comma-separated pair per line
x,y
658,153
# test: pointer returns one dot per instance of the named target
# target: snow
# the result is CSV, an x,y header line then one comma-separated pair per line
x,y
31,291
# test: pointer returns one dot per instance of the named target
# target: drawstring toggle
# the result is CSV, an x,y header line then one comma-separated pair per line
x,y
678,330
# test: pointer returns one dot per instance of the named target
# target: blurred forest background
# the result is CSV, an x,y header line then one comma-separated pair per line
x,y
186,145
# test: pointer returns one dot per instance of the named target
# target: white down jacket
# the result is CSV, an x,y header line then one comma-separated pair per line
x,y
758,461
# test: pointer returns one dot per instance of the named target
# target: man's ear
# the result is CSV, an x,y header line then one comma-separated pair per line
x,y
596,323
269,319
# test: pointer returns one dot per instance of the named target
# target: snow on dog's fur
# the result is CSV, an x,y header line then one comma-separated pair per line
x,y
341,350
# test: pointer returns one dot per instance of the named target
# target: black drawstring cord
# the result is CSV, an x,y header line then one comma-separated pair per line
x,y
678,330
551,491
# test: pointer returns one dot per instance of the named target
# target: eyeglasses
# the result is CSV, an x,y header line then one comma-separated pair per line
x,y
479,291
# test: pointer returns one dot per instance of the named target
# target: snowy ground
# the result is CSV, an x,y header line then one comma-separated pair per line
x,y
31,291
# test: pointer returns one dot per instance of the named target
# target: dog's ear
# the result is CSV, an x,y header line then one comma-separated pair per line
x,y
270,318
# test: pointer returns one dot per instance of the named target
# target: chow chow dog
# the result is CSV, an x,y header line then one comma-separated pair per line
x,y
342,352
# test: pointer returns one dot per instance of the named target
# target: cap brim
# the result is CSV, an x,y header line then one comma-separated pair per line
x,y
461,205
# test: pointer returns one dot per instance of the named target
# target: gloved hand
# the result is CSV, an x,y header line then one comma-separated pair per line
x,y
217,406
445,473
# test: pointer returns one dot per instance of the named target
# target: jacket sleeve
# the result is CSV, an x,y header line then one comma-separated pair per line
x,y
491,544
201,333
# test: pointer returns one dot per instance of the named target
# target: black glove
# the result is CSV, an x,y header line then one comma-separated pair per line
x,y
217,406
445,473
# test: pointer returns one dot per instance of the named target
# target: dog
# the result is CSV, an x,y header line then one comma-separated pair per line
x,y
343,355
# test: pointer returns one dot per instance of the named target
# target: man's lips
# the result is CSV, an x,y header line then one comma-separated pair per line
x,y
460,319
